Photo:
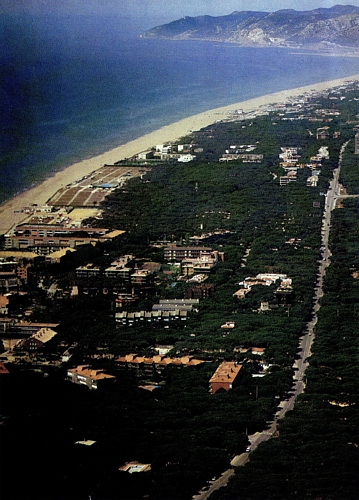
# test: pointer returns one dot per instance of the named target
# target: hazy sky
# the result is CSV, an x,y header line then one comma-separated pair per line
x,y
145,14
179,8
166,9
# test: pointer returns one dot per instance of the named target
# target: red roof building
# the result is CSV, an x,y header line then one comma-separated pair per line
x,y
225,376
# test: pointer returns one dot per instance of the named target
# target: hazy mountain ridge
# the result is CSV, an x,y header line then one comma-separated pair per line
x,y
319,28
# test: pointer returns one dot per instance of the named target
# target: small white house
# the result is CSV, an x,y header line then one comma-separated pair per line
x,y
186,158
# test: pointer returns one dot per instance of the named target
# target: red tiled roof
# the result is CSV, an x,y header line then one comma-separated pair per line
x,y
3,369
226,372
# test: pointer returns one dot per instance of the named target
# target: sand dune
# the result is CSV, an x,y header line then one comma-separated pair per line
x,y
43,192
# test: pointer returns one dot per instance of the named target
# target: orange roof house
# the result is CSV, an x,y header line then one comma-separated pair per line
x,y
155,365
228,325
258,350
84,375
225,376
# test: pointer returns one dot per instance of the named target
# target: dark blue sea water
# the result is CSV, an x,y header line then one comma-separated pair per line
x,y
73,88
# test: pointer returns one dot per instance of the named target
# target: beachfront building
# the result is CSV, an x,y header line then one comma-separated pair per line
x,y
186,158
44,239
145,155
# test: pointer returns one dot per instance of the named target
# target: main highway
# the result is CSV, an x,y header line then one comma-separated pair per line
x,y
304,347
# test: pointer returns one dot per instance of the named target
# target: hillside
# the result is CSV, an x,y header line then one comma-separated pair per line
x,y
320,28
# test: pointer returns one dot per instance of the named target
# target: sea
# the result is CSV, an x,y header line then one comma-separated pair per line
x,y
73,87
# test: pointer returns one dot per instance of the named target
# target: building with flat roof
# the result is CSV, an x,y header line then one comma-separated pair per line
x,y
127,318
87,271
225,376
174,252
131,467
173,304
200,291
44,239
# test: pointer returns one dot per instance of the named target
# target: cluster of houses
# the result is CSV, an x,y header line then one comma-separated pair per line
x,y
36,338
225,377
165,152
243,153
44,238
193,259
289,162
284,292
124,268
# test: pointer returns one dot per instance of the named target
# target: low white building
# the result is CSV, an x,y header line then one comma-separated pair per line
x,y
145,155
186,158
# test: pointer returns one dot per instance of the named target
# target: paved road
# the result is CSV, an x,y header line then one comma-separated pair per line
x,y
305,342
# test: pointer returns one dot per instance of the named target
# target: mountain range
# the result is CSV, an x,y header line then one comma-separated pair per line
x,y
330,28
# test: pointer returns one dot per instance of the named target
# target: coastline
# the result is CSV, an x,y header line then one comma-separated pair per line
x,y
42,192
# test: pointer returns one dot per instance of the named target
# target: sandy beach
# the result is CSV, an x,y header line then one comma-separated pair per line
x,y
43,192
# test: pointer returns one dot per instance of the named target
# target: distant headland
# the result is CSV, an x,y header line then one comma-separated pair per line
x,y
333,29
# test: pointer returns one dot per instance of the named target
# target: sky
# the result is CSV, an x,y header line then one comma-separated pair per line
x,y
160,10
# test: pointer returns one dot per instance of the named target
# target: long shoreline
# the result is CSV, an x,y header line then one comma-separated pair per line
x,y
41,193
